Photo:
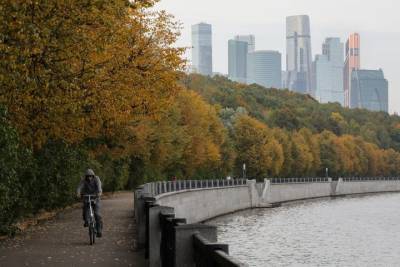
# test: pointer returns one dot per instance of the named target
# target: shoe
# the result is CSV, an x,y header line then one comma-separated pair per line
x,y
99,235
85,224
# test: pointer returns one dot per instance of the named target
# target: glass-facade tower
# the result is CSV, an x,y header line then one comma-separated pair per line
x,y
237,60
202,49
249,39
265,68
369,90
328,72
352,62
299,57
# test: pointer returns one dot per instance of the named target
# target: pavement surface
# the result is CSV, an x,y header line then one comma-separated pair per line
x,y
63,241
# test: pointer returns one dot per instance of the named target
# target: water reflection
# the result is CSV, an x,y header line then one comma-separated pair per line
x,y
351,231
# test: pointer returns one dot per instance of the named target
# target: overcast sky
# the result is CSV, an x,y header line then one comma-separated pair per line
x,y
378,22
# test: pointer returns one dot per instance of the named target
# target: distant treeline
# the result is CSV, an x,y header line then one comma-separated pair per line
x,y
100,84
282,133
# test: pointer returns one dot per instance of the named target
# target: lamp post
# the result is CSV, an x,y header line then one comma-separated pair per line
x,y
244,170
326,172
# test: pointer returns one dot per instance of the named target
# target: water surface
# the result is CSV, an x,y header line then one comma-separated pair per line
x,y
351,231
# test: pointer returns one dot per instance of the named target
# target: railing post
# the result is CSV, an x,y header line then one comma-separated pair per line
x,y
155,233
148,204
184,249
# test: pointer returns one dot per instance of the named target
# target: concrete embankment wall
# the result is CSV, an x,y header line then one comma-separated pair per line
x,y
198,205
201,204
291,192
365,187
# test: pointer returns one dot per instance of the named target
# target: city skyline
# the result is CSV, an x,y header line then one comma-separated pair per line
x,y
379,40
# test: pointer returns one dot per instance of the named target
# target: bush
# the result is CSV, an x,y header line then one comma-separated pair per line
x,y
10,185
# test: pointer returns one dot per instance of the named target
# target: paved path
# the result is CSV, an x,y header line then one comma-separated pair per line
x,y
64,242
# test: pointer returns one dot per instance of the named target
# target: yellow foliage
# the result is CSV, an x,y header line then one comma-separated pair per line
x,y
257,148
74,69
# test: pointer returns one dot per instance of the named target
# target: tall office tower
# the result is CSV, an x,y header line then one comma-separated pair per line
x,y
202,49
250,39
298,54
369,90
284,83
237,60
352,62
265,68
328,72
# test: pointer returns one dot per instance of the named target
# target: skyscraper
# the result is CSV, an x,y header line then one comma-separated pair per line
x,y
298,57
352,62
202,49
369,90
249,39
328,72
237,60
265,68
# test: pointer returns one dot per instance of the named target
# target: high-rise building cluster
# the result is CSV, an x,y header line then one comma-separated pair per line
x,y
335,75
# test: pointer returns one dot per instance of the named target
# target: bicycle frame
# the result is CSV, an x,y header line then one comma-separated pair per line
x,y
92,226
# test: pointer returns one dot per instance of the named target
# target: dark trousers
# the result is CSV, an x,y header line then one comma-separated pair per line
x,y
96,211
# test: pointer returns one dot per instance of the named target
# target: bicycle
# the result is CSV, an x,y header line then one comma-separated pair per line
x,y
89,200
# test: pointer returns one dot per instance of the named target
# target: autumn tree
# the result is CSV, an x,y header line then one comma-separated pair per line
x,y
256,147
76,69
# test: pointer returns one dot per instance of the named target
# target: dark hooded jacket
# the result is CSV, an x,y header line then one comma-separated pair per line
x,y
89,186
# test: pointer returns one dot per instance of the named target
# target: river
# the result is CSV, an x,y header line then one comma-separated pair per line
x,y
350,231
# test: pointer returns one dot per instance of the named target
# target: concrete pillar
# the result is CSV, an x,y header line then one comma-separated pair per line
x,y
136,196
339,186
141,222
266,193
184,253
155,234
253,194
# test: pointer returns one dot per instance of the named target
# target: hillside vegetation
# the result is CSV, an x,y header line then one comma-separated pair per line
x,y
292,111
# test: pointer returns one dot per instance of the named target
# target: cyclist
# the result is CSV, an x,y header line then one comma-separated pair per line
x,y
91,185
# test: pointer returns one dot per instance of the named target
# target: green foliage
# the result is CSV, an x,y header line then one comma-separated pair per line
x,y
32,182
9,180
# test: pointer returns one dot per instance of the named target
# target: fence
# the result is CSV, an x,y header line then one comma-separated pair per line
x,y
300,180
158,188
366,179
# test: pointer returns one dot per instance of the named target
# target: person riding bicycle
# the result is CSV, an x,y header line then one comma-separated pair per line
x,y
90,184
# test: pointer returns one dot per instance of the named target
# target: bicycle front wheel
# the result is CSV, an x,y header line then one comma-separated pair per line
x,y
92,234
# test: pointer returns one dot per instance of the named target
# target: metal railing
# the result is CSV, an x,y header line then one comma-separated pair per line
x,y
299,180
157,188
367,179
